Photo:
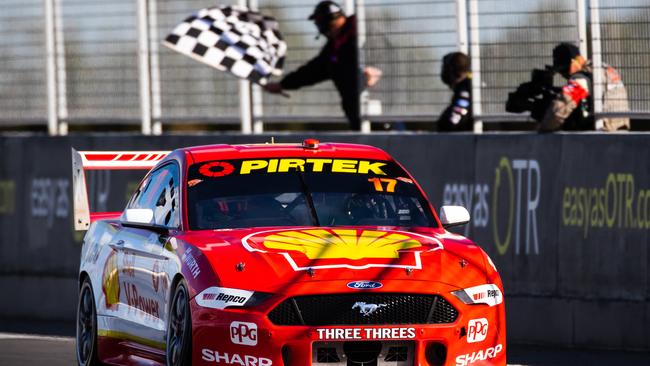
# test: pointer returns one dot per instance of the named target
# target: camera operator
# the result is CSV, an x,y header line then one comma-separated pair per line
x,y
534,96
570,107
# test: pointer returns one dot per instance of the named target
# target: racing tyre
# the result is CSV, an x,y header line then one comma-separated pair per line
x,y
86,327
179,328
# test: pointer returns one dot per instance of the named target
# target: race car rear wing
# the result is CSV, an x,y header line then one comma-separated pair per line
x,y
103,160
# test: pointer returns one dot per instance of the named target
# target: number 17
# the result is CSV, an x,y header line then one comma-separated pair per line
x,y
390,184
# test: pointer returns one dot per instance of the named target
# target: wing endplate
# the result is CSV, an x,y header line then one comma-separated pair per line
x,y
103,160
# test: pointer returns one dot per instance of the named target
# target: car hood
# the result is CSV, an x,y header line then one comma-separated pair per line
x,y
272,259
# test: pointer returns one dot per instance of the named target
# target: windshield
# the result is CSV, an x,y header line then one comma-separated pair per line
x,y
303,192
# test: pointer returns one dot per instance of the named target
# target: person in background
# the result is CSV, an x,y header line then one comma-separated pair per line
x,y
572,109
456,75
337,61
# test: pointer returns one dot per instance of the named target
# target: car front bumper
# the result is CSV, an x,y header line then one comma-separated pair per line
x,y
247,337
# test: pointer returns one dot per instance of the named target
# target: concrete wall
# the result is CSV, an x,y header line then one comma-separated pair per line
x,y
564,217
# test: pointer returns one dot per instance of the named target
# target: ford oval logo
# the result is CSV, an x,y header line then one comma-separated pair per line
x,y
364,285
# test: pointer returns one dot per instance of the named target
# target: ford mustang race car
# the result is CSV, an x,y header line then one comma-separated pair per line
x,y
280,254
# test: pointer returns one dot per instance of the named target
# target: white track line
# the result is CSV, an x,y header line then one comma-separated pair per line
x,y
34,337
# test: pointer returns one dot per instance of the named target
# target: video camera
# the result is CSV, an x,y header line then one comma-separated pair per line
x,y
535,95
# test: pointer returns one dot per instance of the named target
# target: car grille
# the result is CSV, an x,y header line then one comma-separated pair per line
x,y
338,310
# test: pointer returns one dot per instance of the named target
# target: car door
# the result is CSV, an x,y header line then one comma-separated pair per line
x,y
143,261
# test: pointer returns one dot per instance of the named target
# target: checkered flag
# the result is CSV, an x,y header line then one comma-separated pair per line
x,y
232,38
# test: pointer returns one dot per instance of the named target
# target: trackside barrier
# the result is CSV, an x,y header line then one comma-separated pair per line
x,y
565,218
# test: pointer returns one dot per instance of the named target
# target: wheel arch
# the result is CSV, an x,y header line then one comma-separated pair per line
x,y
83,275
172,288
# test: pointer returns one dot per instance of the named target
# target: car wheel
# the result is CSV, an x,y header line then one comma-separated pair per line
x,y
86,327
179,328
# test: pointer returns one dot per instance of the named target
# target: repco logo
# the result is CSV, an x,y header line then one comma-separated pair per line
x,y
225,298
488,293
477,330
243,333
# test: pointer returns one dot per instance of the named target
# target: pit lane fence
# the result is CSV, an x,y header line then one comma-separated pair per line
x,y
100,62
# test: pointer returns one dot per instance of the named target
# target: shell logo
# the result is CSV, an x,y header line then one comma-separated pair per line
x,y
349,244
343,248
111,281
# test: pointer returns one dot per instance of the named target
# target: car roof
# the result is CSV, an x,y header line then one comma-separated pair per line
x,y
198,154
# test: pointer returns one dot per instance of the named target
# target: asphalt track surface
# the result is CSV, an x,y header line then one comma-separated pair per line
x,y
54,346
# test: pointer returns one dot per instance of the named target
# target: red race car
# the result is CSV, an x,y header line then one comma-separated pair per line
x,y
280,254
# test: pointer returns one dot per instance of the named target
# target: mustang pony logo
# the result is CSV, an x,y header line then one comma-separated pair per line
x,y
367,309
343,248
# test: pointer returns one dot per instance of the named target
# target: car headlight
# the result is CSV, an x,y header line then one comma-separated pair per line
x,y
257,298
223,297
488,294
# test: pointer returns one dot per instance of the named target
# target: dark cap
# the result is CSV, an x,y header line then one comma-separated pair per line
x,y
563,53
326,10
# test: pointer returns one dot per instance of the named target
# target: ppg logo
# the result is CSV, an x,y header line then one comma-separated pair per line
x,y
477,330
243,333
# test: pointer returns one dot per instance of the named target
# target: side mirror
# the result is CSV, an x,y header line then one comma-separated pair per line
x,y
139,215
142,218
453,216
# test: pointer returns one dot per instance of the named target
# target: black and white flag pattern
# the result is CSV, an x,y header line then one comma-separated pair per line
x,y
231,38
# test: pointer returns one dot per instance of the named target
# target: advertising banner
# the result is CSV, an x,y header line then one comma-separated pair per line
x,y
604,217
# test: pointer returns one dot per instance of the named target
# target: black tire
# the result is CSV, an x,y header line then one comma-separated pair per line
x,y
86,335
179,328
